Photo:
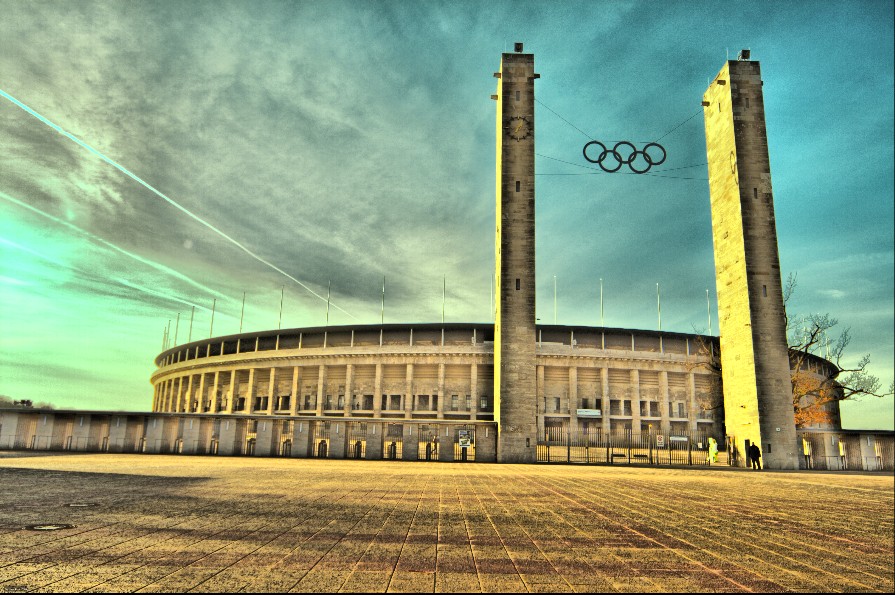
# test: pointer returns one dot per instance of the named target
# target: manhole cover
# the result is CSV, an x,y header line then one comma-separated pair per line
x,y
81,504
48,527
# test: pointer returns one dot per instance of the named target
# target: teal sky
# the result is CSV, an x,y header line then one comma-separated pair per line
x,y
347,141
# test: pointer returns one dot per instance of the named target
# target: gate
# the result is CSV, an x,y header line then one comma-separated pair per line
x,y
357,440
428,443
393,442
320,440
594,446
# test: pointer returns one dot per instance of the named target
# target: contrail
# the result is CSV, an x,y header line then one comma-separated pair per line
x,y
159,267
89,274
170,201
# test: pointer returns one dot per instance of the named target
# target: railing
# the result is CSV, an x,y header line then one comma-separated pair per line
x,y
561,445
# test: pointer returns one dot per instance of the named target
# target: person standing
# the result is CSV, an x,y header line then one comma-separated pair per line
x,y
713,451
755,456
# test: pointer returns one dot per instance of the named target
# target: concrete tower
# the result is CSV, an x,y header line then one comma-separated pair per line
x,y
515,376
754,357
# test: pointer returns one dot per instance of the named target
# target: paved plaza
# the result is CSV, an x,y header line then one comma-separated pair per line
x,y
219,524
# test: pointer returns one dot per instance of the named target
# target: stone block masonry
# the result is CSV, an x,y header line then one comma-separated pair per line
x,y
754,356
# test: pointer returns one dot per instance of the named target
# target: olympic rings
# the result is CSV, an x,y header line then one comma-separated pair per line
x,y
629,156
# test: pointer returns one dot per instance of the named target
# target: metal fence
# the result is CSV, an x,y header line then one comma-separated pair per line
x,y
393,442
561,445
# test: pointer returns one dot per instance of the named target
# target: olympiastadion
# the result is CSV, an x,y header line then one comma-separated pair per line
x,y
513,391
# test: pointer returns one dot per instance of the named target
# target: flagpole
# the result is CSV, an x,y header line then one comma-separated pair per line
x,y
554,299
280,321
243,311
602,324
443,291
328,288
164,338
211,329
176,327
192,313
659,306
382,309
168,334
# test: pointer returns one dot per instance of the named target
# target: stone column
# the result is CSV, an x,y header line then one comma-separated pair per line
x,y
201,399
540,406
664,405
232,395
474,390
604,399
214,392
321,388
179,403
349,389
573,399
377,393
440,391
250,393
408,393
635,401
272,391
296,392
189,394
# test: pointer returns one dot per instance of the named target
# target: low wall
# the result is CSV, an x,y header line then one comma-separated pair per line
x,y
262,436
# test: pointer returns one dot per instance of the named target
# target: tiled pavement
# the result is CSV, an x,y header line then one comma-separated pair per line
x,y
215,524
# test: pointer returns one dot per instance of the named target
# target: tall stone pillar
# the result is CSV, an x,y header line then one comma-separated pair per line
x,y
321,388
754,353
250,393
604,399
201,406
349,388
515,382
215,405
231,399
664,403
440,408
272,392
189,395
377,392
296,391
409,404
178,405
474,390
635,401
692,407
540,400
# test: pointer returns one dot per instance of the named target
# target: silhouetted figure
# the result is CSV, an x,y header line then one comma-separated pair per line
x,y
755,456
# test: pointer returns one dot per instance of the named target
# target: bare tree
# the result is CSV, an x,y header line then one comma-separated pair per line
x,y
705,355
815,385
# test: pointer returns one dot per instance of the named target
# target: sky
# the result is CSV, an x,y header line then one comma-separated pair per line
x,y
160,157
